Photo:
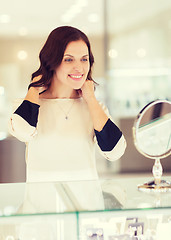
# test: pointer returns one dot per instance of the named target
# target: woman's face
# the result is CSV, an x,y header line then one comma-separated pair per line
x,y
75,65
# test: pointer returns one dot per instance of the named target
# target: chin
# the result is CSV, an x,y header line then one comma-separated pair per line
x,y
78,86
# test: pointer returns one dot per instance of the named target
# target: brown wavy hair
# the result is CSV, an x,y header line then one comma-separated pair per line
x,y
52,53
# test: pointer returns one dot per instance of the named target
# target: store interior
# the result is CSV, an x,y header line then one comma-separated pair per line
x,y
131,45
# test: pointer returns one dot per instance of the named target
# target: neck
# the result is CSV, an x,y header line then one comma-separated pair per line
x,y
60,91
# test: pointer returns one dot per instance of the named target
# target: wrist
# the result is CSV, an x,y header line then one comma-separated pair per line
x,y
91,100
33,89
32,95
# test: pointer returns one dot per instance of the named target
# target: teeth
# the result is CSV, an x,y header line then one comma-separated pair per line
x,y
76,76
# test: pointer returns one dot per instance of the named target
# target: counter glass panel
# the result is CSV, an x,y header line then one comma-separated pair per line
x,y
107,209
84,196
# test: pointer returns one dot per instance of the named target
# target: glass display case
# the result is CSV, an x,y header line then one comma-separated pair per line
x,y
104,209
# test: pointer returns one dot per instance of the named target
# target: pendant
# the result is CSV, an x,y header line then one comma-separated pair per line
x,y
66,117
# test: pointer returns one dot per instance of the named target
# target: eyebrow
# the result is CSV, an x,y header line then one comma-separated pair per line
x,y
73,56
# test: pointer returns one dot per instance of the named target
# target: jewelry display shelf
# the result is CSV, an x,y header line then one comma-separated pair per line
x,y
108,209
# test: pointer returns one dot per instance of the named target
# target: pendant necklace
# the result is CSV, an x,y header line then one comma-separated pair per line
x,y
66,113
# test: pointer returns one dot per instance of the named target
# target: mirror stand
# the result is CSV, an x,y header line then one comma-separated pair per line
x,y
157,185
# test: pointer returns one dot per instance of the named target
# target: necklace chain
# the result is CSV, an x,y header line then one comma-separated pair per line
x,y
66,113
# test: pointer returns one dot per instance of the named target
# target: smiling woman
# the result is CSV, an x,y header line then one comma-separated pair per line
x,y
73,70
60,119
53,52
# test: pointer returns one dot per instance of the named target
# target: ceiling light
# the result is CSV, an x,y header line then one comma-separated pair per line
x,y
74,10
71,13
93,17
113,53
22,55
4,18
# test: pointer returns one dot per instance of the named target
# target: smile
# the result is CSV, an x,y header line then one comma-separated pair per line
x,y
75,77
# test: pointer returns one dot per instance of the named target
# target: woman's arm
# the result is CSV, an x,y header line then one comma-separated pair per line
x,y
23,120
109,137
98,115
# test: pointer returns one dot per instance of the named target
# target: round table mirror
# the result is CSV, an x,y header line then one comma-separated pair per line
x,y
152,138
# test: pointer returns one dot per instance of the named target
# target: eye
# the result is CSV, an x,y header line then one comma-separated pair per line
x,y
84,60
68,60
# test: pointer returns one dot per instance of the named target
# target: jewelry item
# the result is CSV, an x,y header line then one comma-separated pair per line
x,y
66,113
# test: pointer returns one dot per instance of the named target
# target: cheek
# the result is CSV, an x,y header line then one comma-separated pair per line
x,y
87,68
63,68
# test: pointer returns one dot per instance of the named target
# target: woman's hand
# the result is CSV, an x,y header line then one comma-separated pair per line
x,y
33,92
87,91
39,89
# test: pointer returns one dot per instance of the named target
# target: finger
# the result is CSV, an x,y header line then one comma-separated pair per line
x,y
37,78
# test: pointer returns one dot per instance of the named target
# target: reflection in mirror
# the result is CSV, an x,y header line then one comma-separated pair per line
x,y
152,138
154,130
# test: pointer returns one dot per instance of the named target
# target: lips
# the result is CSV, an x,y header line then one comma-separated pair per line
x,y
76,77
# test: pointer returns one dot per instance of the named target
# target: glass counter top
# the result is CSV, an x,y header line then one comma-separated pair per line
x,y
18,199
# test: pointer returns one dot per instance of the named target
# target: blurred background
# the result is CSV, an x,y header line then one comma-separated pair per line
x,y
131,42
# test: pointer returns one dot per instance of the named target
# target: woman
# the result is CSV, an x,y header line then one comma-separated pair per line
x,y
60,119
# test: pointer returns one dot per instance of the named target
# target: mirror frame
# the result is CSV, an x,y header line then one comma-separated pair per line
x,y
136,123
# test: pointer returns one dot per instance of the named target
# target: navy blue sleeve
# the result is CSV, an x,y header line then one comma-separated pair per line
x,y
28,111
108,137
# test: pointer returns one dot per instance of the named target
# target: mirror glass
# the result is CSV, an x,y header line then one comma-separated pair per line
x,y
152,138
153,129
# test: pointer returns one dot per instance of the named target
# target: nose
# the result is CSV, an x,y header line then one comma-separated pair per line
x,y
78,66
